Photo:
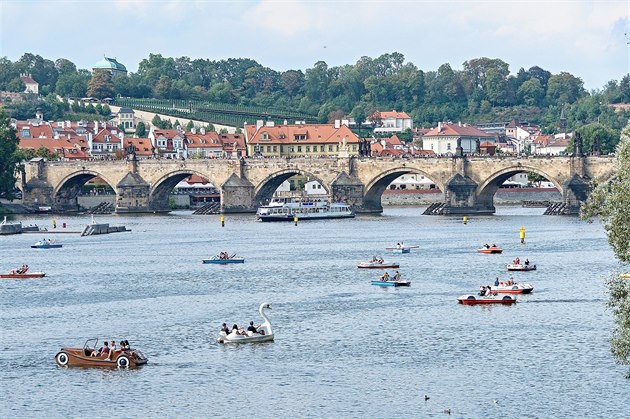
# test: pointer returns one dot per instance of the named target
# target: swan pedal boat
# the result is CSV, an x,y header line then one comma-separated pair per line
x,y
217,260
490,250
265,334
24,275
46,245
81,357
382,283
378,265
514,288
471,299
521,267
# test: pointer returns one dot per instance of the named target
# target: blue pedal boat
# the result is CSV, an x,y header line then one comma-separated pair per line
x,y
46,245
218,261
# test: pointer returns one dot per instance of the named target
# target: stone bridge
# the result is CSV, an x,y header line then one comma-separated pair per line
x,y
469,183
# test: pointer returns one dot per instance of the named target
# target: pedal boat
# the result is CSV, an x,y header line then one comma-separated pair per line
x,y
471,299
401,249
490,250
514,288
218,261
46,245
392,283
378,265
24,275
264,332
521,267
81,357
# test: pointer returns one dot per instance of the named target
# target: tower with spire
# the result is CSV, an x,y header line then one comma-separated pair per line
x,y
563,123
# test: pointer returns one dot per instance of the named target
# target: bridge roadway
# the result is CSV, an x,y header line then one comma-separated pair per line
x,y
469,183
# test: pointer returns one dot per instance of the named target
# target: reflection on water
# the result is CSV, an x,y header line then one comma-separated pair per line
x,y
343,347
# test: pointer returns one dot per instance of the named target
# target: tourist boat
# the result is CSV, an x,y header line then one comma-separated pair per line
x,y
490,250
378,264
224,259
521,267
471,299
401,249
21,273
512,288
264,334
46,244
391,283
81,357
287,208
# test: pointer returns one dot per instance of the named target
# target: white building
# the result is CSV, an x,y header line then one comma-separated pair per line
x,y
444,138
394,122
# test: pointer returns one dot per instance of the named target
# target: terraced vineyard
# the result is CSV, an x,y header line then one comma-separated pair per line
x,y
216,113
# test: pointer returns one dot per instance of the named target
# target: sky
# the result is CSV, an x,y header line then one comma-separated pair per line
x,y
589,39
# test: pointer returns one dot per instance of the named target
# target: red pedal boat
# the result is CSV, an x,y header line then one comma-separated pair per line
x,y
23,273
470,299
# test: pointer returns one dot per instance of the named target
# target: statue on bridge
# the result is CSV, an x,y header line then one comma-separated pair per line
x,y
577,145
596,148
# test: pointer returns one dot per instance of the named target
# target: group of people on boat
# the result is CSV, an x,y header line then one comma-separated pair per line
x,y
517,261
243,332
376,260
225,256
400,245
20,271
110,349
509,282
486,246
385,277
486,291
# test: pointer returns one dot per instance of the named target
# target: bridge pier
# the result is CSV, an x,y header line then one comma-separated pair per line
x,y
133,195
36,191
576,191
237,195
461,198
350,190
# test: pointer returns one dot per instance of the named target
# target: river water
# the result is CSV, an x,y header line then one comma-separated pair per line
x,y
343,348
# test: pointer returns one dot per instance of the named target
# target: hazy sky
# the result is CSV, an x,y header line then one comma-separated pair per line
x,y
586,38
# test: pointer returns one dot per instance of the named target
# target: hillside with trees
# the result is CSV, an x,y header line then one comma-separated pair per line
x,y
484,90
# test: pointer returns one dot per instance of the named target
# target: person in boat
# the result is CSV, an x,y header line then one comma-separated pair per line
x,y
486,246
398,245
380,260
122,346
482,290
374,259
225,329
517,261
238,331
488,291
385,276
252,328
496,282
112,348
511,281
494,246
103,350
397,276
526,262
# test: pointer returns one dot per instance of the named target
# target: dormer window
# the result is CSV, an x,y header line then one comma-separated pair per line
x,y
298,137
265,136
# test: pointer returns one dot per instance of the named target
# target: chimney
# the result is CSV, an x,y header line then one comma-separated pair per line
x,y
337,124
259,124
345,122
193,130
95,127
439,127
270,124
459,123
285,122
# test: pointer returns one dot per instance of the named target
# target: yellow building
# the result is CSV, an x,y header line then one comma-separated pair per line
x,y
300,140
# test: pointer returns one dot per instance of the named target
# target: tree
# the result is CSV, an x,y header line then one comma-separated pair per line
x,y
190,125
608,137
100,85
611,202
141,129
8,157
531,92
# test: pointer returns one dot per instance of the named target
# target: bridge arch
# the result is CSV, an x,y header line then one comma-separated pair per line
x,y
263,192
161,189
65,193
375,188
488,188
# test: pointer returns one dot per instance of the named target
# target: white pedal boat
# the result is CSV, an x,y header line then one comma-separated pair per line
x,y
264,333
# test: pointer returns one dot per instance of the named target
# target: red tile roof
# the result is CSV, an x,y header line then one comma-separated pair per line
x,y
394,114
143,146
457,131
315,134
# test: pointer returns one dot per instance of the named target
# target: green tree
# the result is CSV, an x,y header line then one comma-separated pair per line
x,y
46,153
190,125
531,92
611,202
608,137
8,157
141,129
100,85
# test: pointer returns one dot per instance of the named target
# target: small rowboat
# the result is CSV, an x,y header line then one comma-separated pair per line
x,y
26,275
378,265
46,245
470,299
490,250
218,261
521,267
392,283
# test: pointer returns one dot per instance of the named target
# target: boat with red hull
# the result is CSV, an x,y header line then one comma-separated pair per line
x,y
25,275
470,299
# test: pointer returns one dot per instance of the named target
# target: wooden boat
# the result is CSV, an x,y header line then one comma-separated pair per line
x,y
470,299
46,244
521,267
219,260
490,250
23,275
264,332
81,357
377,265
392,283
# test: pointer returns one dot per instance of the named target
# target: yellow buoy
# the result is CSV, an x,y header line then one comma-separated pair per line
x,y
295,219
222,221
465,219
522,234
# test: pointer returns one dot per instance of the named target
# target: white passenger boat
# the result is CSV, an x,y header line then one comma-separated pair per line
x,y
306,208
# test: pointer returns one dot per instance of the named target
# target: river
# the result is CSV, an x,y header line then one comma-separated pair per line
x,y
343,348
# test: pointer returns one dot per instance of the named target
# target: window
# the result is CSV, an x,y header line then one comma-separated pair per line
x,y
291,149
299,149
330,147
308,148
268,149
275,148
321,148
265,136
448,146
